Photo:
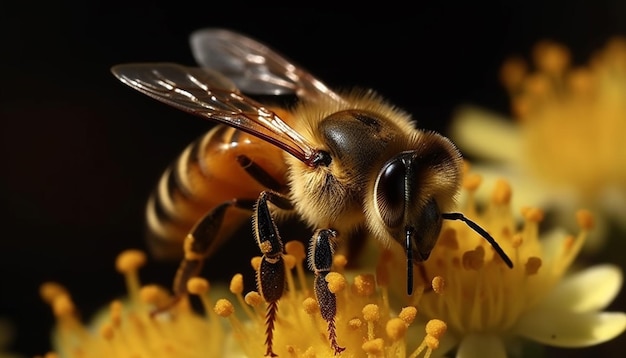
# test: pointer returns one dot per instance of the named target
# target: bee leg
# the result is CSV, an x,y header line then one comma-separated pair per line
x,y
321,251
270,276
198,245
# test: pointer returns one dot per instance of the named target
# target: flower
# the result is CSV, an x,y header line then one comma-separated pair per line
x,y
487,306
566,147
367,324
474,302
126,328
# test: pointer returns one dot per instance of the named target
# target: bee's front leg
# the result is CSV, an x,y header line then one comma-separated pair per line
x,y
271,272
321,251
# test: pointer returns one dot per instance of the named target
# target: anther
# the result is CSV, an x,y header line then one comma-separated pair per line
x,y
408,314
396,329
236,284
585,219
502,193
224,308
198,286
336,282
130,260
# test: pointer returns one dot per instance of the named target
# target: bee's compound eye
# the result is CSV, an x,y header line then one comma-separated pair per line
x,y
390,192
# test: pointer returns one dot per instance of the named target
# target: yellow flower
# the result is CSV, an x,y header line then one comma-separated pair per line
x,y
480,304
366,323
486,305
567,147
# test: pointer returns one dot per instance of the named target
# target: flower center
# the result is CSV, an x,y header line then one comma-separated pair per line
x,y
473,291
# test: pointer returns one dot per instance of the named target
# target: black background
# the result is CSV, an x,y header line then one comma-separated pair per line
x,y
81,152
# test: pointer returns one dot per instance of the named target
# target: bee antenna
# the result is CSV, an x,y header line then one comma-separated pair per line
x,y
480,231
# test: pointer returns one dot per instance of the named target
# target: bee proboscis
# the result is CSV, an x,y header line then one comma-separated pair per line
x,y
339,161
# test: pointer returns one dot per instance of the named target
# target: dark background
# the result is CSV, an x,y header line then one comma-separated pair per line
x,y
81,152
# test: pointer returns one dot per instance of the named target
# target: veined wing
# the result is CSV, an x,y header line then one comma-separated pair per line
x,y
208,94
254,67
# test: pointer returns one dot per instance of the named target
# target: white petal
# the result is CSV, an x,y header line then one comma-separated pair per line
x,y
571,330
589,290
486,134
481,345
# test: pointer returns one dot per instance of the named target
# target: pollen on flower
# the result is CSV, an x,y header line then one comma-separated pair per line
x,y
439,284
396,329
365,323
336,282
224,308
473,290
585,219
126,327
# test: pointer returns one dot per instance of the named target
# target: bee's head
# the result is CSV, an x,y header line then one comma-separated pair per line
x,y
413,189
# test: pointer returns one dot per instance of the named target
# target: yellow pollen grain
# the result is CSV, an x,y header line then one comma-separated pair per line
x,y
355,324
374,346
501,194
339,262
310,306
253,299
336,282
106,331
290,261
551,57
295,248
472,181
532,265
265,246
371,312
439,285
197,286
431,342
224,308
585,219
533,214
408,314
255,262
364,285
152,294
396,329
49,291
130,260
436,328
236,284
62,306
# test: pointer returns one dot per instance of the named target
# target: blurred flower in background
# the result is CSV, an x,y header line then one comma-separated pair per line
x,y
566,147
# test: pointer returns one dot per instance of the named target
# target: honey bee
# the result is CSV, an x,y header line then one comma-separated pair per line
x,y
339,161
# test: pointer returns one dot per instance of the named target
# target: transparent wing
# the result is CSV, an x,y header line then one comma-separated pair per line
x,y
254,67
208,94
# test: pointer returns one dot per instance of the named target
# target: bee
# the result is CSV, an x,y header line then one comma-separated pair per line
x,y
341,162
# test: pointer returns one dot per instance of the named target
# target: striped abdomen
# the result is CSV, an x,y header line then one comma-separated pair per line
x,y
206,174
